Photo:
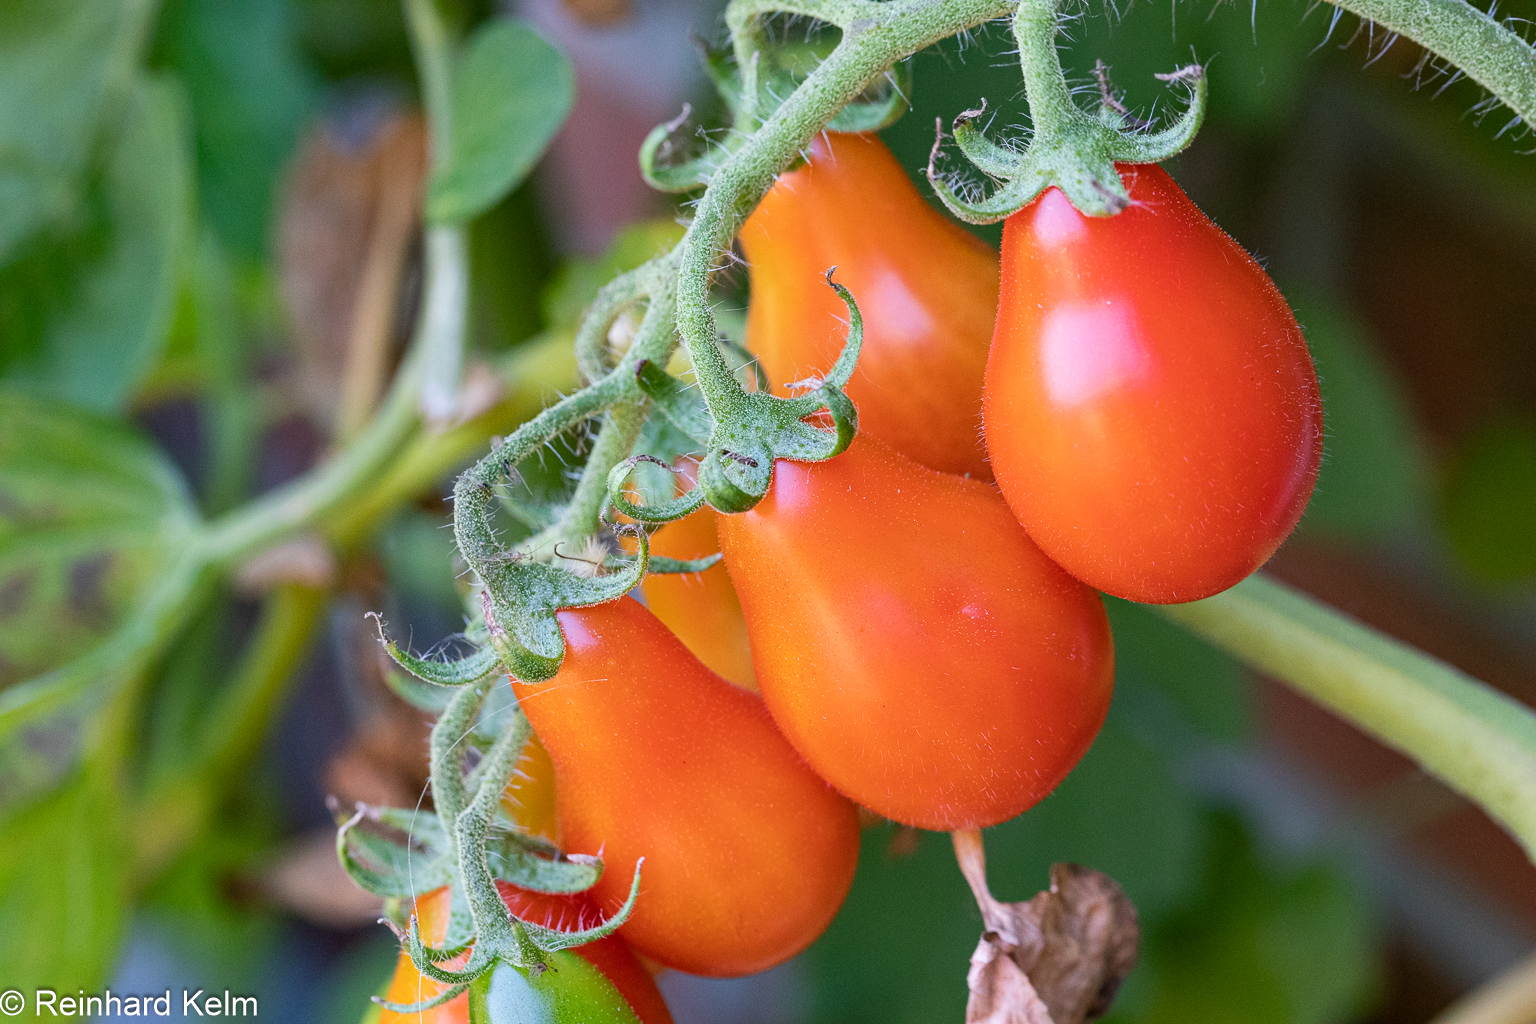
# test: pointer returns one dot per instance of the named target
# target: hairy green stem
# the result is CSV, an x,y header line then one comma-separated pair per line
x,y
1489,53
615,440
874,39
1473,738
1051,110
447,752
493,924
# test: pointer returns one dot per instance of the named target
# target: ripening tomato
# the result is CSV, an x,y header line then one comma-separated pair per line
x,y
926,658
610,956
1152,411
747,853
529,798
700,608
409,986
926,287
566,989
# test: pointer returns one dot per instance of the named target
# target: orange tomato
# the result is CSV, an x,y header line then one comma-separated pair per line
x,y
529,798
409,986
747,853
912,642
702,608
927,290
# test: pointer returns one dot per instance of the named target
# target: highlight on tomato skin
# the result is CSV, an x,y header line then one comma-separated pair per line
x,y
748,854
926,288
611,956
912,642
1151,407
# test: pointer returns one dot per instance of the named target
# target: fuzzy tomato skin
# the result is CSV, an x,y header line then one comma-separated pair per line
x,y
926,287
566,912
700,608
1151,408
529,798
913,643
748,854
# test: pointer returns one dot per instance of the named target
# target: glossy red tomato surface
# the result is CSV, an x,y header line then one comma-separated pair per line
x,y
566,912
747,853
913,643
927,290
1151,410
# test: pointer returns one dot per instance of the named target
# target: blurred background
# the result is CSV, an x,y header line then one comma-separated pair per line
x,y
209,232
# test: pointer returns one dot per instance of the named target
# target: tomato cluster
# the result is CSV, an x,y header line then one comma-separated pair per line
x,y
926,643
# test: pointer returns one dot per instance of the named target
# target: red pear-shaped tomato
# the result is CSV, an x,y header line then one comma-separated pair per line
x,y
1151,408
913,643
567,913
747,853
926,287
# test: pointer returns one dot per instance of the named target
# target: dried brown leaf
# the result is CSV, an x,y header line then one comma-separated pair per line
x,y
1001,992
1072,945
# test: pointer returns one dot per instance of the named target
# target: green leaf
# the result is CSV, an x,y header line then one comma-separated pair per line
x,y
511,93
1373,483
92,520
103,332
89,513
60,66
1262,945
512,860
1490,499
251,91
64,888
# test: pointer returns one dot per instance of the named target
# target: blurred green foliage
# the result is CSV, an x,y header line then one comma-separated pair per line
x,y
1490,501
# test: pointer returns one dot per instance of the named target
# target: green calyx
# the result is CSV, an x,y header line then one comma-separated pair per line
x,y
744,432
1070,148
466,848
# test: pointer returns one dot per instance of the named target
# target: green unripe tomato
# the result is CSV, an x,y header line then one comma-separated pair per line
x,y
568,991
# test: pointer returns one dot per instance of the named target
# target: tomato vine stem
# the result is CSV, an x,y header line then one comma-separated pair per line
x,y
1473,738
1482,47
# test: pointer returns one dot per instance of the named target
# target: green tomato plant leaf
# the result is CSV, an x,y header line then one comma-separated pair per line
x,y
92,521
64,886
251,90
61,67
95,346
511,92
